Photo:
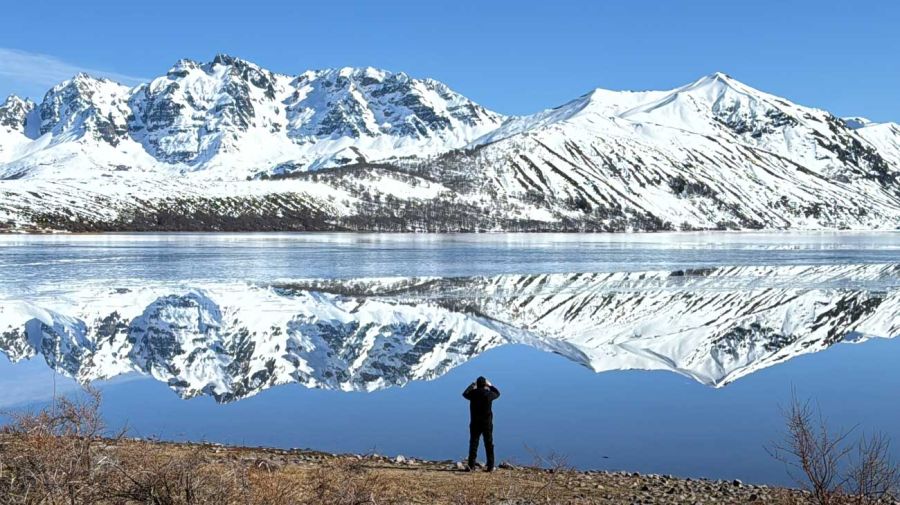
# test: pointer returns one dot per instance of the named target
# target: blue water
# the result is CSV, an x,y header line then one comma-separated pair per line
x,y
637,421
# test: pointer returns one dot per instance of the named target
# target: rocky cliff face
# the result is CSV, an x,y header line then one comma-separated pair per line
x,y
85,107
200,111
17,117
233,341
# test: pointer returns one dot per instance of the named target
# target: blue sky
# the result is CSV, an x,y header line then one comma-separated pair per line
x,y
512,56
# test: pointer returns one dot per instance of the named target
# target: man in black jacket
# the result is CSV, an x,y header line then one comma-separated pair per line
x,y
481,394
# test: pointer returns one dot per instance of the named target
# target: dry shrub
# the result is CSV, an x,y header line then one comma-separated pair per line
x,y
484,489
155,474
345,482
272,488
555,474
831,467
872,476
55,455
476,492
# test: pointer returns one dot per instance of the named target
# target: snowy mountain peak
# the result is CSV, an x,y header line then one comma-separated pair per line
x,y
247,71
369,74
885,138
13,101
216,113
713,100
182,67
199,110
86,105
227,59
13,113
370,102
18,125
721,82
720,77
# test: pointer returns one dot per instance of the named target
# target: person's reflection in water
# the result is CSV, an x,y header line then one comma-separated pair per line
x,y
481,394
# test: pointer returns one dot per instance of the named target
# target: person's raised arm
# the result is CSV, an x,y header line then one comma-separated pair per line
x,y
468,391
495,393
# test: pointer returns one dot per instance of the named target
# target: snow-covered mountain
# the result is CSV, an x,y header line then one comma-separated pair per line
x,y
713,154
231,119
235,116
230,145
232,341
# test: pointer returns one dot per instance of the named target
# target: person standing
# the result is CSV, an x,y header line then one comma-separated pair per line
x,y
481,395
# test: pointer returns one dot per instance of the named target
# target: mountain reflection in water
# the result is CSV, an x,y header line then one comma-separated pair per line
x,y
232,340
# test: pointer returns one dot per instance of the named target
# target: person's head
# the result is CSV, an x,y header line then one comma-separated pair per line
x,y
481,382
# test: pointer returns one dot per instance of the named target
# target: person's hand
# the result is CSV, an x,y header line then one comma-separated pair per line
x,y
488,383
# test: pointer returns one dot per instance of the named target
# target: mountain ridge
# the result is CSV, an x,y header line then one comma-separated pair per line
x,y
361,145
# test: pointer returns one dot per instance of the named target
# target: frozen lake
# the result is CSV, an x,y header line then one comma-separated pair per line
x,y
50,260
666,353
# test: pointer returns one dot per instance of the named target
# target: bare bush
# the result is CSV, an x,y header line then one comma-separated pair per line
x,y
556,473
475,492
156,476
831,467
345,482
54,456
499,486
872,476
272,488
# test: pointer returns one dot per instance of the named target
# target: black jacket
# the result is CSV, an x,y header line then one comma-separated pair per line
x,y
480,400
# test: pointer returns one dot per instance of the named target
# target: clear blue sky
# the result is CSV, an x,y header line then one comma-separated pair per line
x,y
512,56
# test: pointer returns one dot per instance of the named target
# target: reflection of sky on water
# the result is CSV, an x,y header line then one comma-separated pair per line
x,y
642,421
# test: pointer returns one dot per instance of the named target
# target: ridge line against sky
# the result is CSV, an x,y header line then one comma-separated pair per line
x,y
514,57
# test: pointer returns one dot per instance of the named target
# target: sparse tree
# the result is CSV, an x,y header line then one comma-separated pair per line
x,y
831,467
872,475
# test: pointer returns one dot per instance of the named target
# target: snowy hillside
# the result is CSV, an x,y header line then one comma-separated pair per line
x,y
886,139
228,145
714,325
712,154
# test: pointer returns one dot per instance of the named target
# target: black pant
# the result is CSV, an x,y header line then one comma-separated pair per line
x,y
486,431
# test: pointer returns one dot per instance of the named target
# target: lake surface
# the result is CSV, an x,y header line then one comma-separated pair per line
x,y
666,353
